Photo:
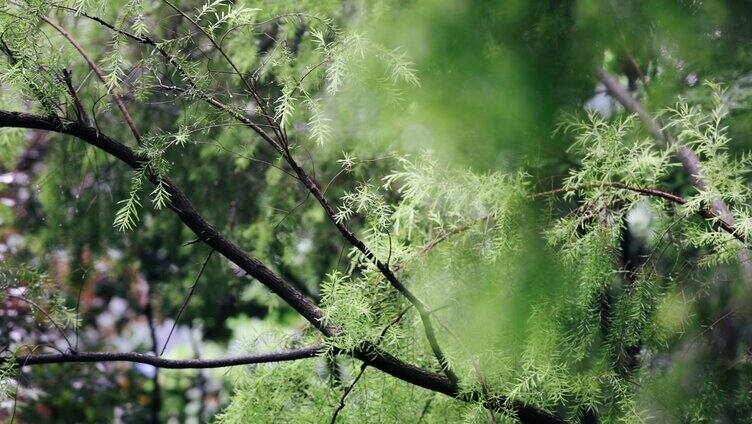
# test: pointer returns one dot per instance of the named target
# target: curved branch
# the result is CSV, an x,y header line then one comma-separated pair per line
x,y
708,214
182,206
313,187
690,162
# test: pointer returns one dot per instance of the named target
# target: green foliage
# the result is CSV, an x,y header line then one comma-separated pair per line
x,y
535,297
33,288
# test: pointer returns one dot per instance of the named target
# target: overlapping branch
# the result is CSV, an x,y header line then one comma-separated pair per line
x,y
182,206
281,144
690,162
708,214
100,76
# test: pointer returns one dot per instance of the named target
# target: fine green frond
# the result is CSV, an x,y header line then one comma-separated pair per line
x,y
285,106
112,64
319,123
126,217
401,68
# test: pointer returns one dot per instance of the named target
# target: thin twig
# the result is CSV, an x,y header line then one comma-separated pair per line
x,y
186,300
156,391
47,315
18,386
364,365
78,304
80,113
98,72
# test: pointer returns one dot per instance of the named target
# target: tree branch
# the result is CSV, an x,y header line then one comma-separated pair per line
x,y
281,146
142,358
185,302
80,112
98,72
690,162
182,206
350,236
312,186
665,195
250,87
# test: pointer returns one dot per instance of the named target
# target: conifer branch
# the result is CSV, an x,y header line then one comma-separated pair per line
x,y
690,162
282,147
654,192
251,88
183,207
146,40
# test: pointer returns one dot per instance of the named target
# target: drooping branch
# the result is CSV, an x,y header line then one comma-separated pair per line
x,y
182,206
142,358
282,146
690,162
662,194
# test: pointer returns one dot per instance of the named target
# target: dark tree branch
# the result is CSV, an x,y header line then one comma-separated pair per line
x,y
350,236
156,391
282,146
80,112
142,358
690,162
708,214
182,206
